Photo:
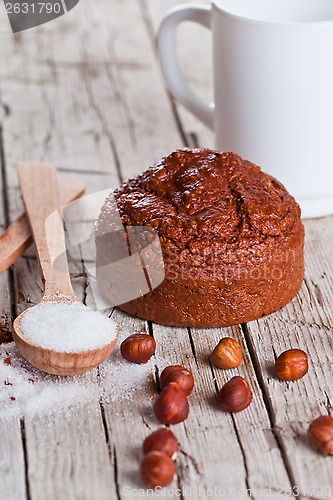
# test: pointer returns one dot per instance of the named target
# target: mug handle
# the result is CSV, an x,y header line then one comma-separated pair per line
x,y
166,47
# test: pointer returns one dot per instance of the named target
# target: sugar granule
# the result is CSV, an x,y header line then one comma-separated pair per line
x,y
67,327
26,391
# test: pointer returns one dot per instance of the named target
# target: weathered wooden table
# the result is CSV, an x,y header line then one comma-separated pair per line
x,y
84,93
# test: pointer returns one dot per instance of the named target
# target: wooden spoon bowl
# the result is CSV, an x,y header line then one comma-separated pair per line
x,y
39,186
59,363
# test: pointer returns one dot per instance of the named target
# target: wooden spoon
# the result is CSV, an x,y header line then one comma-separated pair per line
x,y
39,188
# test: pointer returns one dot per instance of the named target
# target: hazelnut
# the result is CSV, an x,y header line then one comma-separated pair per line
x,y
138,348
180,375
157,469
321,434
162,440
171,406
235,395
291,364
227,354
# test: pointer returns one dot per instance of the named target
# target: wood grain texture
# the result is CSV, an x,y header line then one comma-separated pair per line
x,y
195,56
84,93
12,467
69,457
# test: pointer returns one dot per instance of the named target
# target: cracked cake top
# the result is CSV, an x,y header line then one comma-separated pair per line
x,y
208,206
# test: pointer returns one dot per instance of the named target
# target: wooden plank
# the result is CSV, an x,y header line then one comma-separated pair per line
x,y
12,469
12,465
5,302
128,412
305,324
68,456
5,309
131,98
194,51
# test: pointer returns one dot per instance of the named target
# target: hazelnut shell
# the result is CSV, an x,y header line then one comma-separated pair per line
x,y
138,348
171,406
227,354
320,434
163,440
291,365
157,469
235,395
180,376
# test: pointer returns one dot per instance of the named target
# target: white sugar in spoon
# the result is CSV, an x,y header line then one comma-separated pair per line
x,y
60,335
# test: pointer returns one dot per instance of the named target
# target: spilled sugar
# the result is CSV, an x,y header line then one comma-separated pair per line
x,y
26,391
67,327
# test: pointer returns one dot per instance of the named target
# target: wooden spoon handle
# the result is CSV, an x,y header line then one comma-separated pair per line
x,y
16,239
39,187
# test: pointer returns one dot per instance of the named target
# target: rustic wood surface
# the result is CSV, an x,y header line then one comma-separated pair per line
x,y
84,93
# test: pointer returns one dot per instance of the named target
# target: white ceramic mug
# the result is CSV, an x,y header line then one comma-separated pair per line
x,y
273,73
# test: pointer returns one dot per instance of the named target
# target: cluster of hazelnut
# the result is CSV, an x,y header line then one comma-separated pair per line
x,y
236,394
292,364
176,383
170,407
160,450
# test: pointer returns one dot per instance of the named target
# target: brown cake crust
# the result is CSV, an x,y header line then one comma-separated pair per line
x,y
231,236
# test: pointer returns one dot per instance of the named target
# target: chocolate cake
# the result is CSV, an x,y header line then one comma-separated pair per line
x,y
231,237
